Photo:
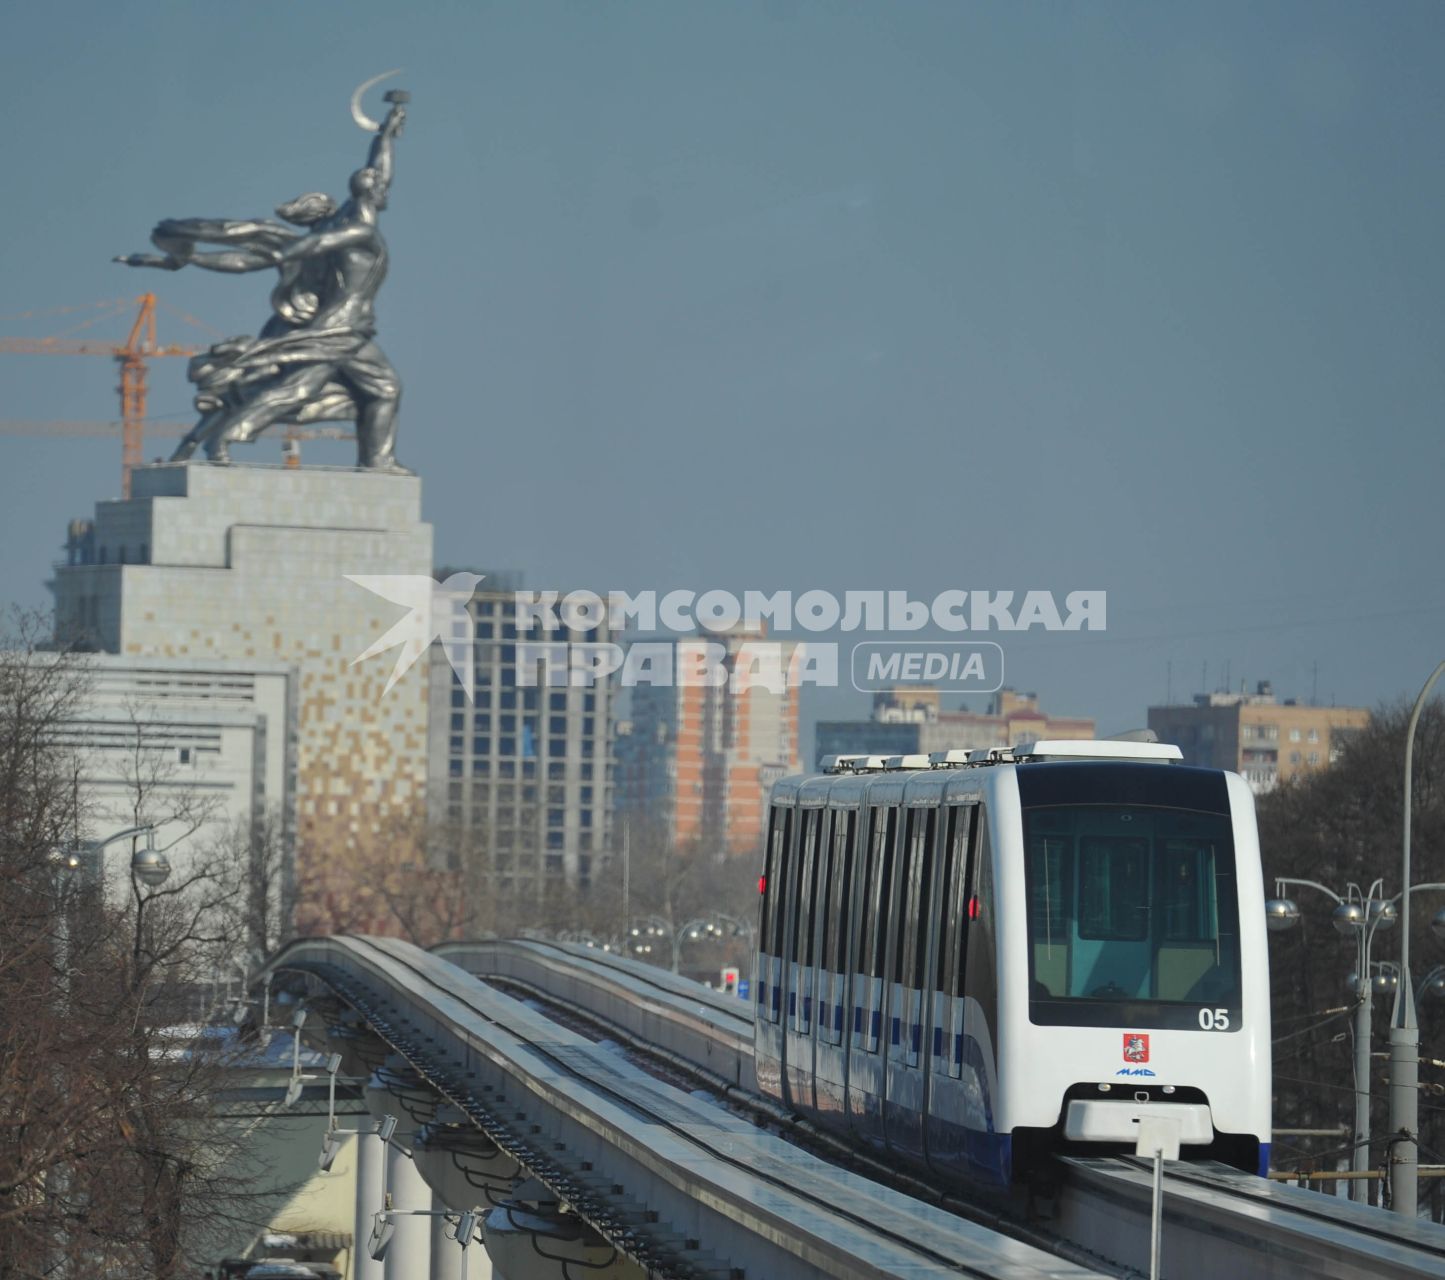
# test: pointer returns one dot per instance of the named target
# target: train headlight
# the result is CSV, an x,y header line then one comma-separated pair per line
x,y
1280,914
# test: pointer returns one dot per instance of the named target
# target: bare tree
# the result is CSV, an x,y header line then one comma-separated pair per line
x,y
110,1158
1339,825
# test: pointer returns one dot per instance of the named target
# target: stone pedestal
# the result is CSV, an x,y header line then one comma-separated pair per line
x,y
251,562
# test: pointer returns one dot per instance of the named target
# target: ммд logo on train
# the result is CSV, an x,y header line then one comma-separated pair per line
x,y
1136,1047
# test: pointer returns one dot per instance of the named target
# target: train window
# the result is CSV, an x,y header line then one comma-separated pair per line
x,y
944,964
958,904
882,868
835,926
979,954
845,855
818,885
922,913
896,915
776,886
803,898
1133,916
1113,888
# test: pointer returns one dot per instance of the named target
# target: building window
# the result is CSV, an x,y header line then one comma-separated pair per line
x,y
1294,757
458,722
1313,757
481,746
557,701
557,724
455,745
507,724
1294,735
484,631
556,817
459,698
507,746
556,770
185,754
557,746
1313,735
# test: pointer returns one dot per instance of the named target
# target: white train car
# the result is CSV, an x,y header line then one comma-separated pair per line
x,y
968,960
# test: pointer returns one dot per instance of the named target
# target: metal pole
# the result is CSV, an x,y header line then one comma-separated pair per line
x,y
1404,1030
1360,1161
1156,1223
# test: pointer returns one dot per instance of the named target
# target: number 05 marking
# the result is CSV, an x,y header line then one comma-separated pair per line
x,y
1214,1019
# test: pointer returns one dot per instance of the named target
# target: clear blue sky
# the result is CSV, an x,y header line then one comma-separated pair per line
x,y
792,293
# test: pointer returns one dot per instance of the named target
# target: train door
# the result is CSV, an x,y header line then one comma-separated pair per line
x,y
905,1093
987,1144
865,1050
944,1131
798,1032
829,1052
768,1034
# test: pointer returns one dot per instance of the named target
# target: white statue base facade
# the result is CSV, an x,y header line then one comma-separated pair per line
x,y
250,564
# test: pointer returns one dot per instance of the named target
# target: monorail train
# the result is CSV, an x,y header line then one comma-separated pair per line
x,y
970,959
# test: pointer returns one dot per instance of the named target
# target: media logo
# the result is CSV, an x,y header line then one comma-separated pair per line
x,y
435,611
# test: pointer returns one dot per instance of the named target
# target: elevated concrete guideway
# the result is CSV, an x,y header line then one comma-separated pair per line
x,y
569,1150
520,1090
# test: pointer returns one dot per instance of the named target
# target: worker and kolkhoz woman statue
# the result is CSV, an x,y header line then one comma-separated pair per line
x,y
316,359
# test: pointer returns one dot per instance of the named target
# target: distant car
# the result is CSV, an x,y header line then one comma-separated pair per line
x,y
972,959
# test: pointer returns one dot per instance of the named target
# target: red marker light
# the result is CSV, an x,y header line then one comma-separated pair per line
x,y
973,908
762,884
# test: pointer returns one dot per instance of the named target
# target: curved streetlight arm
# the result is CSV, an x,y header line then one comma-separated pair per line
x,y
1280,881
148,831
1436,886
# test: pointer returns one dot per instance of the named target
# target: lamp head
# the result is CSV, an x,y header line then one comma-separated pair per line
x,y
149,865
1348,917
1280,914
1383,914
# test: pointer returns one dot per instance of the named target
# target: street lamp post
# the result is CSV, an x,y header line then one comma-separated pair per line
x,y
148,866
1361,914
1404,1029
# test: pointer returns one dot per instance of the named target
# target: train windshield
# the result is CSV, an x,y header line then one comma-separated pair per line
x,y
1133,917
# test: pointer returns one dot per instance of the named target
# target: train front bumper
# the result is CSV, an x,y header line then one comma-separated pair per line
x,y
1088,1120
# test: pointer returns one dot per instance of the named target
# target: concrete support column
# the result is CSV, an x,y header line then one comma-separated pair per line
x,y
448,1262
409,1257
370,1165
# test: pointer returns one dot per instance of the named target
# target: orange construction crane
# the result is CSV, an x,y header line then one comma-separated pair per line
x,y
139,346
